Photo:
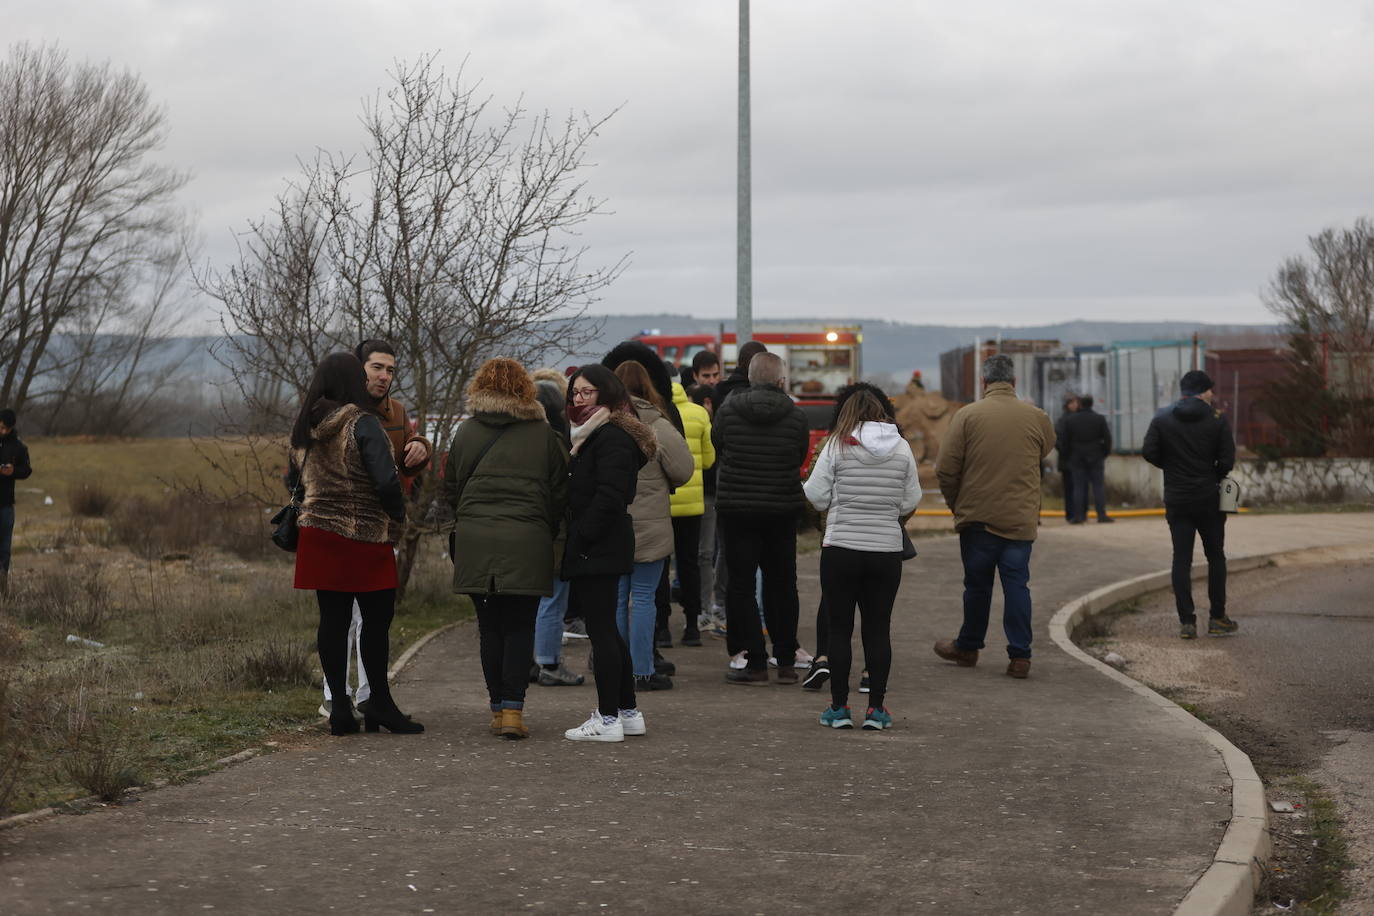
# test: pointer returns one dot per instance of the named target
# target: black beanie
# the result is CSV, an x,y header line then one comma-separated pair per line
x,y
1194,383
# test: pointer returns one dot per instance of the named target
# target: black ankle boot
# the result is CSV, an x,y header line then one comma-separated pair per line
x,y
378,713
341,721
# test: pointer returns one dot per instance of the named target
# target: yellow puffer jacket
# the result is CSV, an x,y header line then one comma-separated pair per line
x,y
690,498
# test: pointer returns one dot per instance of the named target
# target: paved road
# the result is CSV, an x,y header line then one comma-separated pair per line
x,y
991,796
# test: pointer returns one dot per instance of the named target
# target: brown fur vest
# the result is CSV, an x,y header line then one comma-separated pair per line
x,y
339,494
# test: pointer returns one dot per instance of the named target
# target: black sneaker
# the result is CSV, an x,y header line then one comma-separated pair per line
x,y
662,665
1187,631
817,676
653,682
863,682
662,638
1221,626
534,672
691,636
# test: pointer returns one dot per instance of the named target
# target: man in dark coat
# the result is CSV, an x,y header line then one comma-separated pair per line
x,y
761,441
738,379
14,465
1086,443
1071,404
1192,442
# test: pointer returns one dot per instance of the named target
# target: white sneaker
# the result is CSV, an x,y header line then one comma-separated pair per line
x,y
597,729
738,661
632,722
803,660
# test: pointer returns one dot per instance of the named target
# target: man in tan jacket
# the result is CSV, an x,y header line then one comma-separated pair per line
x,y
989,471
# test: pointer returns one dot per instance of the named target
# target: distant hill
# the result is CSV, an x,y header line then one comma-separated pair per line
x,y
893,349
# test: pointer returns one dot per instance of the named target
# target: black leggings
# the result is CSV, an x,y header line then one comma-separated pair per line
x,y
686,543
505,629
374,640
870,581
594,599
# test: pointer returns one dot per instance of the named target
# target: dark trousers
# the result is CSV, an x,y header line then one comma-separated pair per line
x,y
594,599
1070,506
1085,476
1209,523
505,632
686,545
374,640
868,580
984,555
6,536
767,543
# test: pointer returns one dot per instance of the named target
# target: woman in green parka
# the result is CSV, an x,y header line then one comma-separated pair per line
x,y
506,481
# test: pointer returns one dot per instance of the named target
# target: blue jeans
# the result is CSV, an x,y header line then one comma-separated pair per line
x,y
6,536
984,554
636,613
548,623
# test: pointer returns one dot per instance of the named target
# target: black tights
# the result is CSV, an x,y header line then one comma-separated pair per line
x,y
870,581
374,640
505,627
594,599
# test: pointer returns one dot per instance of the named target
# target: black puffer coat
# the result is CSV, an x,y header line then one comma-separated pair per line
x,y
761,441
1192,442
601,486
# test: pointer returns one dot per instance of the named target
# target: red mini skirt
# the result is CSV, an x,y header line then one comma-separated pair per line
x,y
333,563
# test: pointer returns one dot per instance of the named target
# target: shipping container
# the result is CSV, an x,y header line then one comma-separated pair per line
x,y
959,369
1141,376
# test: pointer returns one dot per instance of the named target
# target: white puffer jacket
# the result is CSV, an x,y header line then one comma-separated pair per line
x,y
866,484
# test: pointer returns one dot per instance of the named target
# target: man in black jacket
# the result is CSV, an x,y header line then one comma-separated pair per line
x,y
738,379
1085,444
14,465
761,441
1071,404
1192,442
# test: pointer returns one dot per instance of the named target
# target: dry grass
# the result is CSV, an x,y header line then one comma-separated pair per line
x,y
90,500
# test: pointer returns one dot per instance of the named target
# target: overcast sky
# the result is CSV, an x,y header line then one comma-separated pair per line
x,y
953,163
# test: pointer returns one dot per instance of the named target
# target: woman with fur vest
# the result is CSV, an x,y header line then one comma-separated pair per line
x,y
350,517
506,482
609,446
637,609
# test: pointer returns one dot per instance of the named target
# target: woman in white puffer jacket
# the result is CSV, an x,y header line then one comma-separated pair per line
x,y
865,478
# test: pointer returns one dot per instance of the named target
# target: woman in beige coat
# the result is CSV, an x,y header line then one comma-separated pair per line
x,y
651,511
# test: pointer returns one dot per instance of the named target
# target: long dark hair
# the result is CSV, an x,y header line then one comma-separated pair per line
x,y
339,379
610,390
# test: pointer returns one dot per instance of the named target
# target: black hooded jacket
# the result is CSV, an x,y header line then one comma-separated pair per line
x,y
1192,442
761,441
13,451
1086,438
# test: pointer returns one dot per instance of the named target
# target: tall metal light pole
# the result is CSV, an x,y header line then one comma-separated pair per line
x,y
744,255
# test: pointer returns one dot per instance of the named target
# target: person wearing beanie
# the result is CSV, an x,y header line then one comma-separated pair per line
x,y
14,465
1191,441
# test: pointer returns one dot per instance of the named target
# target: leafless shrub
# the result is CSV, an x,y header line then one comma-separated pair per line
x,y
90,500
278,662
180,524
76,601
95,752
16,733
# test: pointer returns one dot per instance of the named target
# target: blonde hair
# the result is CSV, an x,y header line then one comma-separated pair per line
x,y
552,375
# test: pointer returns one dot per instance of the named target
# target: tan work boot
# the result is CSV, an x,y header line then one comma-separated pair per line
x,y
496,722
964,658
513,724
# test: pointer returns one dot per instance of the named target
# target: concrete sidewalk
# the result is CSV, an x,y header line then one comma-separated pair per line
x,y
1066,791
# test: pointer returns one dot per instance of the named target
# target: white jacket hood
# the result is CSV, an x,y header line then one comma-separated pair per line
x,y
879,438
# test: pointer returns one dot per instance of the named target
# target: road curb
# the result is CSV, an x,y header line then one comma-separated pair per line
x,y
1228,886
78,804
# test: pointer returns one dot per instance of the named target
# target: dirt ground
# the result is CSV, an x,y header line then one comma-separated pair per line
x,y
1293,689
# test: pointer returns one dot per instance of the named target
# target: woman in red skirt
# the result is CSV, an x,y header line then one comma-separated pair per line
x,y
352,513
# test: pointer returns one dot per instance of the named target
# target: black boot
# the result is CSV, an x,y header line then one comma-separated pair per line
x,y
381,712
691,636
341,721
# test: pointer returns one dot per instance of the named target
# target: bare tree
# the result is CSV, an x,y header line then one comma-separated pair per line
x,y
85,214
452,235
1326,301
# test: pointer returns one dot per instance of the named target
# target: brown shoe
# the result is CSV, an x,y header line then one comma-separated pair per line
x,y
749,677
513,724
964,658
788,676
1019,668
496,722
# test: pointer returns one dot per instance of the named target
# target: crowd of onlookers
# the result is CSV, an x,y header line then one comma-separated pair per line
x,y
588,503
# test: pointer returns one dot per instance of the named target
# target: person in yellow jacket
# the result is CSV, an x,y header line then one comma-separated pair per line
x,y
688,505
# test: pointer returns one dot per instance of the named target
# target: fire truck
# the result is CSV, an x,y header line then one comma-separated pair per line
x,y
820,359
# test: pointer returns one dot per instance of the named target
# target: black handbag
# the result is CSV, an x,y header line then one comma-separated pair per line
x,y
908,548
286,533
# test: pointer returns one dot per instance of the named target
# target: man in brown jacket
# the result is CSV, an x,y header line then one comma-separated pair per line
x,y
412,454
989,471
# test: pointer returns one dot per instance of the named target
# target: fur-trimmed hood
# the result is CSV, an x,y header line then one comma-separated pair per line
x,y
642,434
487,401
658,373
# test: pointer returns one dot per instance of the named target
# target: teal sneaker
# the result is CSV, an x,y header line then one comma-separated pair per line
x,y
837,718
875,720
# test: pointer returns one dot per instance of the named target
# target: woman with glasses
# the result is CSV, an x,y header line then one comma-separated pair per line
x,y
609,446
